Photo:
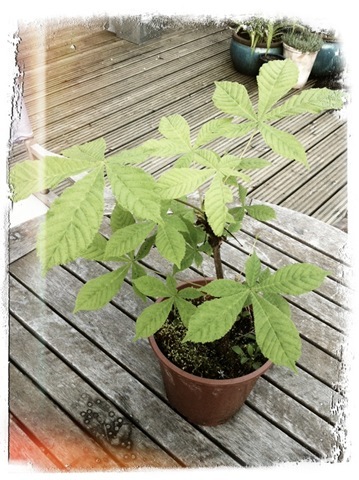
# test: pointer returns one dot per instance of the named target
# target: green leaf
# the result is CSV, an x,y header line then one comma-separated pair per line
x,y
224,288
279,302
253,163
276,334
262,213
284,144
206,158
72,221
89,152
179,182
32,176
294,279
153,318
216,198
275,79
134,190
97,292
145,248
233,98
176,128
137,272
211,131
121,218
214,318
127,239
170,244
185,310
190,293
242,192
97,248
238,130
314,100
252,269
152,287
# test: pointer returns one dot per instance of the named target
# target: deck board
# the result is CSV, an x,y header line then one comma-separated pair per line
x,y
288,417
82,82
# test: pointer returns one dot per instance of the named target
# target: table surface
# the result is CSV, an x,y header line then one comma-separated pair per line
x,y
84,396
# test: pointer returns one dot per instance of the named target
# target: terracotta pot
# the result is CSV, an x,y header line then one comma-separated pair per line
x,y
204,401
304,62
245,59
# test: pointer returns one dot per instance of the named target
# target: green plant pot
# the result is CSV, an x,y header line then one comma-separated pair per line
x,y
247,61
329,60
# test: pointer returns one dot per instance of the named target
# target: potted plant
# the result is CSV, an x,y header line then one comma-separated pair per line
x,y
216,336
252,38
302,45
329,60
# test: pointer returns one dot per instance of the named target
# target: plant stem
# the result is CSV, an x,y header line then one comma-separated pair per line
x,y
217,260
248,144
197,209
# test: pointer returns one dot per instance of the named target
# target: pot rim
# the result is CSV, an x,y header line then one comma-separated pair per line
x,y
203,380
292,49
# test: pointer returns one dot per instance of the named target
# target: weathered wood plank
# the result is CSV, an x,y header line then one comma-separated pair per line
x,y
23,451
59,435
125,444
114,382
22,239
105,329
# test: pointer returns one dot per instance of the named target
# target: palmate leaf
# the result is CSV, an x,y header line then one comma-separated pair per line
x,y
212,130
127,239
179,182
170,243
263,213
96,251
215,200
153,287
135,191
152,318
185,310
96,293
72,221
252,269
276,334
120,218
294,279
314,100
91,152
237,130
283,143
176,128
275,79
213,319
233,98
32,176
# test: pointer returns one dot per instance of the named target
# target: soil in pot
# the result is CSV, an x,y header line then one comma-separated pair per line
x,y
232,356
214,400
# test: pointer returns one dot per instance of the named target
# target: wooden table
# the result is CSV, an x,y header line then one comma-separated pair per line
x,y
84,396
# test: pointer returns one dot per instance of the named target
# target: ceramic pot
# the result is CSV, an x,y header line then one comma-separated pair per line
x,y
329,60
303,60
204,401
244,59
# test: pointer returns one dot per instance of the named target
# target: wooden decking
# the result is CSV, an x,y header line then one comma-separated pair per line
x,y
82,82
84,396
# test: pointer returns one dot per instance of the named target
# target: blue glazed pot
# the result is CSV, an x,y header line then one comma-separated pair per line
x,y
329,60
247,61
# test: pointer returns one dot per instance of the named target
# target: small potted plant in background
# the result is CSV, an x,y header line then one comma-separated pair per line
x,y
214,337
252,38
302,45
330,60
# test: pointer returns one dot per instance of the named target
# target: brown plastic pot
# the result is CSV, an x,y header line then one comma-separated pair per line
x,y
204,401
